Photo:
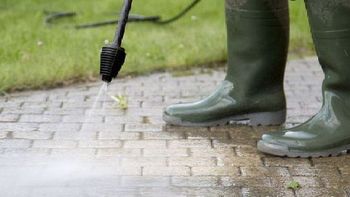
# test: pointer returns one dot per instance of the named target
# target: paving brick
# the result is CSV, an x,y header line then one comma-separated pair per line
x,y
84,105
20,110
40,118
266,191
163,135
145,144
319,192
119,152
110,113
246,150
211,152
54,191
344,170
331,160
166,171
122,119
15,143
149,181
143,128
46,104
127,171
192,161
195,181
334,181
162,191
82,119
234,142
189,143
177,129
62,111
9,117
165,152
112,135
207,135
100,144
3,134
75,135
286,162
64,98
23,152
215,171
143,161
239,161
215,191
99,127
264,171
18,126
145,111
32,135
314,171
153,120
42,97
76,153
234,181
10,104
68,127
308,181
54,144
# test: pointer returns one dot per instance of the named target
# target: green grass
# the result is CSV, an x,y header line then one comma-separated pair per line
x,y
67,55
301,41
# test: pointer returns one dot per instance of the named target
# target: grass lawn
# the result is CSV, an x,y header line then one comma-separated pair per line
x,y
33,55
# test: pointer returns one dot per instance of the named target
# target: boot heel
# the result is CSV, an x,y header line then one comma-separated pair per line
x,y
267,118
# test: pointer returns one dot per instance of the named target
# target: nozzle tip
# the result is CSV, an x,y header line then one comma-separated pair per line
x,y
107,79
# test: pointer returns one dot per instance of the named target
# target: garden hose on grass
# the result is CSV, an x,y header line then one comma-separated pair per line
x,y
54,16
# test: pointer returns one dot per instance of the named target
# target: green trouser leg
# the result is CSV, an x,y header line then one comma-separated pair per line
x,y
328,132
258,36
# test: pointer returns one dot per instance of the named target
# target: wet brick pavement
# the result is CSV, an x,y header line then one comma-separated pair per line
x,y
45,152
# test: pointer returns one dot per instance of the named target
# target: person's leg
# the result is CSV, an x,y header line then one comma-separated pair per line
x,y
258,37
328,132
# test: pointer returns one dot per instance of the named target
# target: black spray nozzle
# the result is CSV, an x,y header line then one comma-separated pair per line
x,y
112,60
113,56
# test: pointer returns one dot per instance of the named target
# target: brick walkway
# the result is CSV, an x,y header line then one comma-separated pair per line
x,y
44,151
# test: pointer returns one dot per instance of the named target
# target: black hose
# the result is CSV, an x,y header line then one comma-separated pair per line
x,y
181,14
132,18
52,16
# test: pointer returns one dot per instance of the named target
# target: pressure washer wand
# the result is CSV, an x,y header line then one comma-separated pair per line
x,y
123,20
113,55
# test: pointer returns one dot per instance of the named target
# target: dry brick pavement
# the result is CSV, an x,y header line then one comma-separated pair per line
x,y
45,150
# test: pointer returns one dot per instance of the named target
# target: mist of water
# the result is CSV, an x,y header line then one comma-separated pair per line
x,y
19,173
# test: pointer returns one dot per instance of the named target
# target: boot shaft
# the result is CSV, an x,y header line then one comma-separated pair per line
x,y
330,27
258,38
328,15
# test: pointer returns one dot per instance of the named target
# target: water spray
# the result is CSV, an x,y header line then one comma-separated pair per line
x,y
113,55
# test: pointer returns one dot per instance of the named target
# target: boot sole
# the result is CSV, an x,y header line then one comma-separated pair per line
x,y
283,151
254,119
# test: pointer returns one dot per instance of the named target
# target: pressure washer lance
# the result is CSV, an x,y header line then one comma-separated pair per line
x,y
113,55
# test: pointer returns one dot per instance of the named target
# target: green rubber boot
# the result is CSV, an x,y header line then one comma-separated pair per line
x,y
328,132
258,37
